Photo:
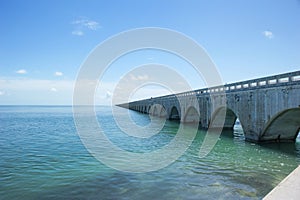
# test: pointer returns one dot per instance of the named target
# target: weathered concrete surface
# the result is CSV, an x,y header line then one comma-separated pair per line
x,y
268,108
288,189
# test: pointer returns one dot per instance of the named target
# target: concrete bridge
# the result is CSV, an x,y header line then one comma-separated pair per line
x,y
268,108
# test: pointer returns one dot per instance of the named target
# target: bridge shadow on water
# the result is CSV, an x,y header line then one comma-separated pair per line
x,y
291,148
236,134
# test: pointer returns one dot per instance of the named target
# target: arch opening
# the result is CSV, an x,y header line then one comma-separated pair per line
x,y
163,112
238,132
192,116
284,126
174,114
297,138
155,111
226,119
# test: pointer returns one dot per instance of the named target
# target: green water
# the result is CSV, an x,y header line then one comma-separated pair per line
x,y
42,157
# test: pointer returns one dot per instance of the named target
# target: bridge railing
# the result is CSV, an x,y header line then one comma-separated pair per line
x,y
265,82
290,78
270,81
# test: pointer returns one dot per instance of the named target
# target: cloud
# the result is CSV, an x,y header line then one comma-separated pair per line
x,y
92,25
36,91
82,24
268,34
21,71
34,85
148,91
58,74
108,95
53,89
78,33
139,77
42,92
2,93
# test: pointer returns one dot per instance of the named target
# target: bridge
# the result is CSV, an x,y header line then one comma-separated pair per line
x,y
268,108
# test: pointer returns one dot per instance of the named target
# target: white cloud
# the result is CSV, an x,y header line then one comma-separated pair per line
x,y
148,92
41,91
33,91
84,24
34,85
21,71
58,74
108,95
36,91
139,77
77,32
268,34
53,89
92,25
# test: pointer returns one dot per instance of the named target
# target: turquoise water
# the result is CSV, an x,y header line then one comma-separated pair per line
x,y
42,157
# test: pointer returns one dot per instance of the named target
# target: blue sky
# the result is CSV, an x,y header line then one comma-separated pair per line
x,y
44,43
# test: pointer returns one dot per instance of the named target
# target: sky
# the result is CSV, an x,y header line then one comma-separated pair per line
x,y
43,44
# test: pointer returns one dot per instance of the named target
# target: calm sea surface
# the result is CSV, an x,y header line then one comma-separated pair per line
x,y
42,157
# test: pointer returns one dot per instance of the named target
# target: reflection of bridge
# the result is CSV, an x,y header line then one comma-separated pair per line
x,y
268,108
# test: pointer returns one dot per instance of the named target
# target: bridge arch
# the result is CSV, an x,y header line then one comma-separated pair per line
x,y
155,110
191,115
174,114
163,112
284,125
225,118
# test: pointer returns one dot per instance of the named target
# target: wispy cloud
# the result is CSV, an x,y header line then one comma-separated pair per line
x,y
53,89
139,77
268,34
92,25
33,91
108,95
83,24
58,74
77,32
21,71
34,85
36,92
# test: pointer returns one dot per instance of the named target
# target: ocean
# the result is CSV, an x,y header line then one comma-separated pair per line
x,y
43,157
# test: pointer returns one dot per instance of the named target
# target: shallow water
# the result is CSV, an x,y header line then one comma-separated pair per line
x,y
42,157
